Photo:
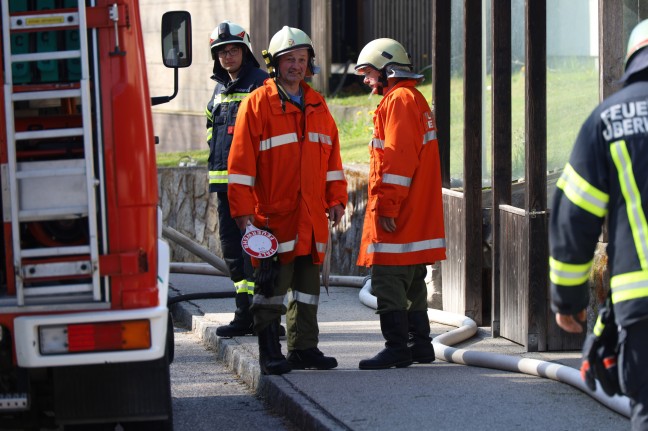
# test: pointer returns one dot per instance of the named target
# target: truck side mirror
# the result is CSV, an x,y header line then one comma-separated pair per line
x,y
176,39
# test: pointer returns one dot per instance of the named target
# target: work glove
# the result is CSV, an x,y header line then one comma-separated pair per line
x,y
600,353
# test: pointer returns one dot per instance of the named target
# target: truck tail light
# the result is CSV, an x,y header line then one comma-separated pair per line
x,y
95,337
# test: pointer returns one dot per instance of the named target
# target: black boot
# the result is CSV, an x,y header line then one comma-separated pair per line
x,y
420,343
311,358
271,360
242,323
393,325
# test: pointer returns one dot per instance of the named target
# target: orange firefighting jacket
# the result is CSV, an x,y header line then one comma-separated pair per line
x,y
404,183
285,168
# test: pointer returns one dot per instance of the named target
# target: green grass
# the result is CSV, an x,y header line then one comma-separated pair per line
x,y
571,95
354,100
354,137
172,159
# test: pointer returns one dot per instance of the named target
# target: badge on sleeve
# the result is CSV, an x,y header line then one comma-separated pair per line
x,y
259,243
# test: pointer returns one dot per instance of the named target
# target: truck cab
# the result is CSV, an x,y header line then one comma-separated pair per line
x,y
85,333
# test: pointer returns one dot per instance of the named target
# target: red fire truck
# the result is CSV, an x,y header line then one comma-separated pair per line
x,y
85,332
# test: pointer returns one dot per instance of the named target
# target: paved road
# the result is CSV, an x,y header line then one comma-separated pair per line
x,y
442,396
208,396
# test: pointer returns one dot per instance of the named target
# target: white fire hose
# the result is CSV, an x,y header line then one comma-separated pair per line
x,y
466,328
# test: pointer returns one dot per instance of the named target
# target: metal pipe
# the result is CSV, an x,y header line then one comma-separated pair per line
x,y
208,269
195,268
191,246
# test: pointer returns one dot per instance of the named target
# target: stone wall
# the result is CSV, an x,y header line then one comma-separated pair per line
x,y
189,208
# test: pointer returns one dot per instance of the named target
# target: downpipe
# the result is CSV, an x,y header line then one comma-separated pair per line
x,y
467,328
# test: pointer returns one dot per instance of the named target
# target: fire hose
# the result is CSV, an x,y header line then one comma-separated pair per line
x,y
465,328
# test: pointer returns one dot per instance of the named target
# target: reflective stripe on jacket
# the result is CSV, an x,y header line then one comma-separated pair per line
x,y
404,183
221,114
607,175
285,168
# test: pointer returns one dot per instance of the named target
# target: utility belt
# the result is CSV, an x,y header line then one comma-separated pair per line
x,y
600,353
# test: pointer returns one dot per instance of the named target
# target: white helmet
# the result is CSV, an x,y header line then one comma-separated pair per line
x,y
227,32
637,41
289,39
386,55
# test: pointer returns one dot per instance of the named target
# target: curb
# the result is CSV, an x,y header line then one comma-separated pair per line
x,y
277,392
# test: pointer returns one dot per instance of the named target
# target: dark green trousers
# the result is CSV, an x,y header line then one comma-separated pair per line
x,y
301,278
399,288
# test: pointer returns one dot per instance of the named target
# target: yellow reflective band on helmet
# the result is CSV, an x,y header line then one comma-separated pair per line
x,y
583,194
631,285
634,208
218,177
599,326
568,274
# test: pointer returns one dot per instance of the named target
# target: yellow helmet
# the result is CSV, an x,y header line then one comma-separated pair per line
x,y
380,53
637,41
228,32
289,39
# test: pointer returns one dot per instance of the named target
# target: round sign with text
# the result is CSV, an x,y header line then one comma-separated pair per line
x,y
259,243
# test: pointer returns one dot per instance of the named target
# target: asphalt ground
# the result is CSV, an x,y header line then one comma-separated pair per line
x,y
439,396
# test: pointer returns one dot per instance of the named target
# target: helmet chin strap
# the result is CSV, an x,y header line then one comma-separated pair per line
x,y
380,89
283,95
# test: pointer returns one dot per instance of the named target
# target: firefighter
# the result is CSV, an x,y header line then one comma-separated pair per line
x,y
286,176
607,177
403,227
236,73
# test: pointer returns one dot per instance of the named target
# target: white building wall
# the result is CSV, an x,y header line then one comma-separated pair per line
x,y
180,124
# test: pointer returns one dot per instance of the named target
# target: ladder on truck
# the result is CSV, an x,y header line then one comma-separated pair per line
x,y
59,188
